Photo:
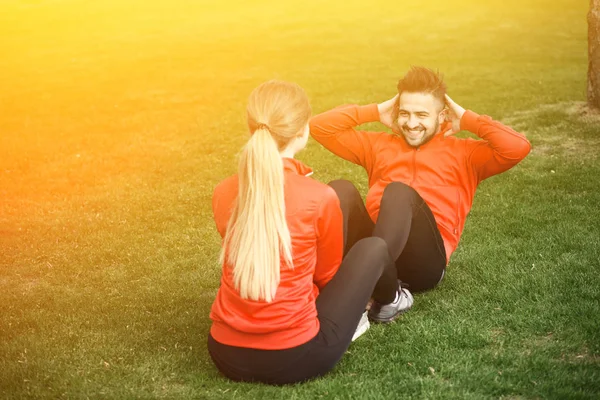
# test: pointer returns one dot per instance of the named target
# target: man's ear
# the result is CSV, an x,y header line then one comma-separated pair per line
x,y
442,116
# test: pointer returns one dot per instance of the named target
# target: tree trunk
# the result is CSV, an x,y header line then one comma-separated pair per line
x,y
593,92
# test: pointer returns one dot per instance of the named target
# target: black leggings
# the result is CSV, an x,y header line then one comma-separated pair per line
x,y
408,227
340,305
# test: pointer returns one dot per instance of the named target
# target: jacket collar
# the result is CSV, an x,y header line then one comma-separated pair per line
x,y
295,166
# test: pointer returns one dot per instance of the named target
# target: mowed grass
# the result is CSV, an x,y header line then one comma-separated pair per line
x,y
117,119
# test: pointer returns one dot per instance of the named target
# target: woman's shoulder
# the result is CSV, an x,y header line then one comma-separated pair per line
x,y
225,193
309,186
307,191
226,185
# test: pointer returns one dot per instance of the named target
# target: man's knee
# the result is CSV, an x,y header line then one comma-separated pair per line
x,y
345,190
400,191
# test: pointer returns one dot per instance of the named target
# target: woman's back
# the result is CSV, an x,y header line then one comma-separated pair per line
x,y
314,220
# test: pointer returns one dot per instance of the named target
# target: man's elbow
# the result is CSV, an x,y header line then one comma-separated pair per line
x,y
522,149
518,150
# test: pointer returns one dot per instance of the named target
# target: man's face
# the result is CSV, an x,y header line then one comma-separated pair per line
x,y
419,117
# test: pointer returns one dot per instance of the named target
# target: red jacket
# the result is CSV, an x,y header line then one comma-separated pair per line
x,y
445,171
315,223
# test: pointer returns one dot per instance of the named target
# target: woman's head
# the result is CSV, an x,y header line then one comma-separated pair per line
x,y
283,109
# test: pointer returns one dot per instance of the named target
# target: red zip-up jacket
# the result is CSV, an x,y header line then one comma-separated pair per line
x,y
314,219
445,171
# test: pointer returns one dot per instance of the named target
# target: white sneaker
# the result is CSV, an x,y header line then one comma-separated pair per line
x,y
363,326
385,313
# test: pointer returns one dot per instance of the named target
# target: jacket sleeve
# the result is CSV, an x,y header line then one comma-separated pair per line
x,y
334,129
330,238
501,147
218,212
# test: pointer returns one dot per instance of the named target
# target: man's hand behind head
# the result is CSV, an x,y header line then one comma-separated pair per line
x,y
454,114
386,110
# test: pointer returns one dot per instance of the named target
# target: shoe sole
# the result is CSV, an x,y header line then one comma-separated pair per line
x,y
361,329
387,320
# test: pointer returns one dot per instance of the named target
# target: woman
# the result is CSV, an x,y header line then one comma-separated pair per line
x,y
288,306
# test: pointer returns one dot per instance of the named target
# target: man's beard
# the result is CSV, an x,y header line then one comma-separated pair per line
x,y
426,138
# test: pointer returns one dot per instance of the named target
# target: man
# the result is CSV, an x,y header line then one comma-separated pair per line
x,y
422,180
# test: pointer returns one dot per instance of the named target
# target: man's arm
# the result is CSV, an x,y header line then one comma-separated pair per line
x,y
501,147
334,129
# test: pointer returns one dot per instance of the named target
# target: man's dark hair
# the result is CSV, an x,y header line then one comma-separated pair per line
x,y
423,80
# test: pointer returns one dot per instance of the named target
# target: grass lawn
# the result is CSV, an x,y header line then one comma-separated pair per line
x,y
118,118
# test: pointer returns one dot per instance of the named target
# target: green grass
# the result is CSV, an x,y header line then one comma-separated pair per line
x,y
118,119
